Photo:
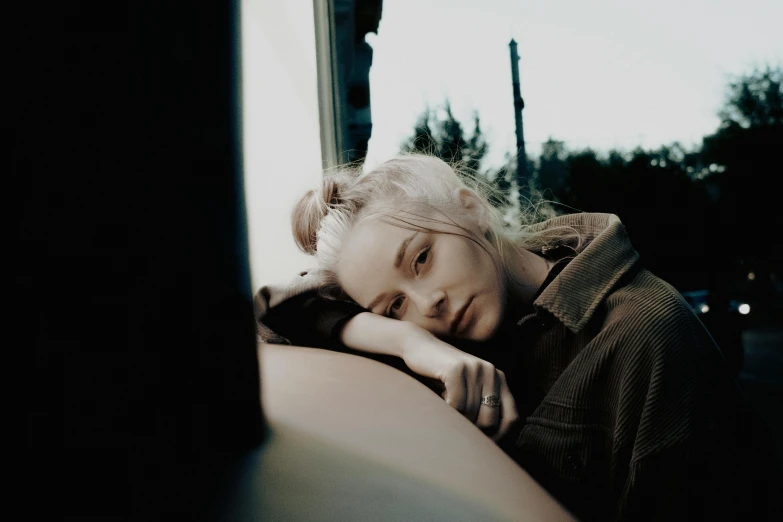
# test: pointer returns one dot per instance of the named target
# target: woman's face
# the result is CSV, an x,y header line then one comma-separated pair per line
x,y
445,283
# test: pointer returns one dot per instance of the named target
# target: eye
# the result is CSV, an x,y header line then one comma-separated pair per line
x,y
395,307
423,257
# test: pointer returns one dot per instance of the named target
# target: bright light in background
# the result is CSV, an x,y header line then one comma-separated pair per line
x,y
705,309
744,309
604,74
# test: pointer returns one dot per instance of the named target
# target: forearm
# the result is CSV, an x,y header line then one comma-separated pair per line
x,y
372,333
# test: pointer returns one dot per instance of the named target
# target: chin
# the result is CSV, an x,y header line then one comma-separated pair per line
x,y
484,330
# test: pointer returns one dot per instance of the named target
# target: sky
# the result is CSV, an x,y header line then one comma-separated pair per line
x,y
599,73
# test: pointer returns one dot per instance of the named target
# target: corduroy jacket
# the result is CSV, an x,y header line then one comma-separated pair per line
x,y
630,412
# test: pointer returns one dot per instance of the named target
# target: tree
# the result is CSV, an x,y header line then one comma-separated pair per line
x,y
440,134
743,156
652,192
755,100
551,173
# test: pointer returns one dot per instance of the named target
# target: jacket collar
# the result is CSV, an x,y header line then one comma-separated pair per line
x,y
603,258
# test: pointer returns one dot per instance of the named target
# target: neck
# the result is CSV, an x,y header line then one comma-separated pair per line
x,y
526,274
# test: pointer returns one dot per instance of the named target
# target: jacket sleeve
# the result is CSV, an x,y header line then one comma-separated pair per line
x,y
294,313
699,452
310,320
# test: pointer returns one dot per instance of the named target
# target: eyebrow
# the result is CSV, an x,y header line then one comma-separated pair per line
x,y
399,256
401,251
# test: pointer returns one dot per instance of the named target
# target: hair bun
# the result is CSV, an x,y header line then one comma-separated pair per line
x,y
330,192
310,211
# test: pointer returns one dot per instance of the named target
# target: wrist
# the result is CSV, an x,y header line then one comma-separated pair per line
x,y
412,337
374,333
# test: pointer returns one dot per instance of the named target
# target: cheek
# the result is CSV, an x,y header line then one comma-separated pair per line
x,y
477,261
488,324
492,276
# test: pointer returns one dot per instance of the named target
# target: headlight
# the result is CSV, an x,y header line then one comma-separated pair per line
x,y
744,309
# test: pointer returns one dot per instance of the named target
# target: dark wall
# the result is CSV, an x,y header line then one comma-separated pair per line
x,y
130,265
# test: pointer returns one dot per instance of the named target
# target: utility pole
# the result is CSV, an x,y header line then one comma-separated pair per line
x,y
519,104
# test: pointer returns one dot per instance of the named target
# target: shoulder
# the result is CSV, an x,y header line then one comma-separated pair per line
x,y
650,312
653,337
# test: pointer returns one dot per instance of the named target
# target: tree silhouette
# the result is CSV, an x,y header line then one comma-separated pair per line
x,y
687,208
439,133
755,100
551,173
743,157
653,192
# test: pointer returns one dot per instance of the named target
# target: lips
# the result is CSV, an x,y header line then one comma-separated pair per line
x,y
458,317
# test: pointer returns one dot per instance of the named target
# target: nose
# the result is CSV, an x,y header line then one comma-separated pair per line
x,y
429,302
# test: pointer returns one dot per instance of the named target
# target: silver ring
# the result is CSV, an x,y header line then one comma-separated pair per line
x,y
493,401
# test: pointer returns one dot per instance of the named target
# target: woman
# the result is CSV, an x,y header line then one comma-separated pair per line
x,y
602,383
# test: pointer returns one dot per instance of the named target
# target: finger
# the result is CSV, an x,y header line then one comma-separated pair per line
x,y
509,415
489,416
473,389
455,393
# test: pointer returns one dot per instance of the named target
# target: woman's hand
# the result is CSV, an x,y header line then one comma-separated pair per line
x,y
466,380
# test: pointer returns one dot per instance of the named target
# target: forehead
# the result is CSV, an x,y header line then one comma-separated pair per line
x,y
366,264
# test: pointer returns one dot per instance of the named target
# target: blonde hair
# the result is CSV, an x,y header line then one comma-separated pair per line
x,y
399,190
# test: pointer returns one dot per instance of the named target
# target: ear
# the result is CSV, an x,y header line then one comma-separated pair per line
x,y
474,205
